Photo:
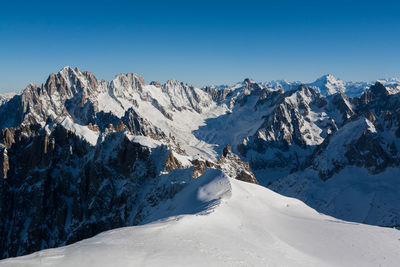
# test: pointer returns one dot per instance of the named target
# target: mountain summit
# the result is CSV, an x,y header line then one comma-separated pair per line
x,y
329,85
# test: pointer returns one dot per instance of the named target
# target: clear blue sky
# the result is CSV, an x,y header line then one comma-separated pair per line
x,y
199,42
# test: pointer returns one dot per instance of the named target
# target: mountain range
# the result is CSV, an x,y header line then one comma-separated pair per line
x,y
81,156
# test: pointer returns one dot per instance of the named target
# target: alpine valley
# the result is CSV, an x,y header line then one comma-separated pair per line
x,y
254,174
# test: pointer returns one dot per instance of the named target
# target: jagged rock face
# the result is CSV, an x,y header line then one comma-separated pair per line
x,y
357,144
65,92
234,167
58,189
217,94
292,128
4,163
80,95
156,84
200,165
341,103
229,163
183,96
296,126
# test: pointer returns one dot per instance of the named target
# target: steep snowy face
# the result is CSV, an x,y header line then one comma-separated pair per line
x,y
183,96
217,93
340,108
329,85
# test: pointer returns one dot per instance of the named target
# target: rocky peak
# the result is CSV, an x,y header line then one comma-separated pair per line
x,y
328,78
251,85
248,81
68,82
378,90
217,93
128,81
341,103
376,96
234,167
182,96
227,150
172,83
156,84
356,143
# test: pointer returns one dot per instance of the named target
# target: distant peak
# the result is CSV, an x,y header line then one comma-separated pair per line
x,y
156,84
327,77
128,78
248,80
173,82
67,70
389,80
379,89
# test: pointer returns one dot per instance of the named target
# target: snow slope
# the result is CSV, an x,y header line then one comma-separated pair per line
x,y
217,221
352,194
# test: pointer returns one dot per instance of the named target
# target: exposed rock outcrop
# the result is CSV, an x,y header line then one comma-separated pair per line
x,y
234,167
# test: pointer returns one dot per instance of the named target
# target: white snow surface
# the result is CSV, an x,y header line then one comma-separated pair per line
x,y
218,221
329,85
82,131
353,194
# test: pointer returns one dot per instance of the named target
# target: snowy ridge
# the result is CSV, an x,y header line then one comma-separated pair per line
x,y
214,214
82,131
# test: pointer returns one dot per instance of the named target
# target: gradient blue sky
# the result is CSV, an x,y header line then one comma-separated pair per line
x,y
199,42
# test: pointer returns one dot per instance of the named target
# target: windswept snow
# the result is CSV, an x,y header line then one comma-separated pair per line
x,y
218,221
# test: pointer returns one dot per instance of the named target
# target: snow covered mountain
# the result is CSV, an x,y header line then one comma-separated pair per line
x,y
329,85
218,221
81,156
